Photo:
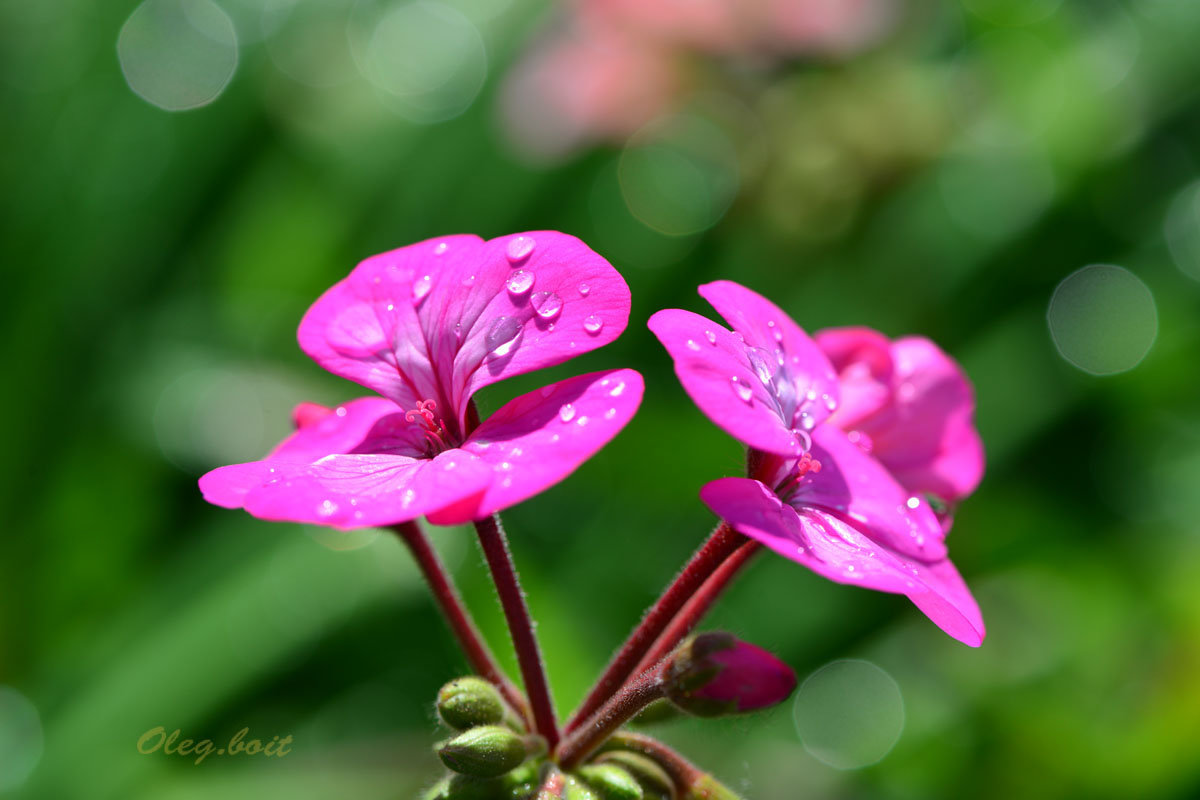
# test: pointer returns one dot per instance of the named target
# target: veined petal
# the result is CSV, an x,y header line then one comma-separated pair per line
x,y
854,485
366,489
538,439
764,325
837,550
442,318
340,430
715,369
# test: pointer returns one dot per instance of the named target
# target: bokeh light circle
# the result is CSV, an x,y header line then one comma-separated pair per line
x,y
1182,229
21,738
178,54
849,714
428,58
1103,319
679,175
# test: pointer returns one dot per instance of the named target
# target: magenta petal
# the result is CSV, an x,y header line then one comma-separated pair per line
x,y
927,436
764,325
715,369
854,485
339,431
751,678
370,489
837,550
863,360
538,439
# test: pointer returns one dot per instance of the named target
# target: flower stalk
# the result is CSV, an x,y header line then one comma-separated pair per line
x,y
520,626
634,696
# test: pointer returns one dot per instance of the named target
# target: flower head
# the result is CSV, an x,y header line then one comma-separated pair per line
x,y
814,496
426,326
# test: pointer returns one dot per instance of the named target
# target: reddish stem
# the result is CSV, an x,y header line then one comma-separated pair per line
x,y
479,656
520,626
634,696
698,606
723,541
683,773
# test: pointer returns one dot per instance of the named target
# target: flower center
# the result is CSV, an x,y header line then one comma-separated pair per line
x,y
798,475
431,426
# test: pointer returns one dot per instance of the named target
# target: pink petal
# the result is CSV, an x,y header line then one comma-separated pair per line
x,y
715,369
363,490
437,320
765,326
855,486
839,551
863,360
538,439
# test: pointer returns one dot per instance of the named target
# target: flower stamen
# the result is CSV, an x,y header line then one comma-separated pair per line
x,y
805,465
431,425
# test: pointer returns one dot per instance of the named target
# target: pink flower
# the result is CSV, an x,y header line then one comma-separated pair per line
x,y
911,406
813,496
427,326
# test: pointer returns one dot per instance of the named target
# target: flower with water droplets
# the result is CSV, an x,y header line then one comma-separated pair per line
x,y
409,325
910,406
814,496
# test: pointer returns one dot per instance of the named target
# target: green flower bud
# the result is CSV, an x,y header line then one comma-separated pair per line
x,y
656,712
467,702
575,789
715,673
706,787
653,778
484,752
611,782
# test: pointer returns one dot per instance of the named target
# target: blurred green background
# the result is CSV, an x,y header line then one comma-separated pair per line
x,y
942,180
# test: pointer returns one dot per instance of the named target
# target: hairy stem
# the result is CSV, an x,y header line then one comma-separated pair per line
x,y
479,656
520,626
698,605
634,696
719,546
683,773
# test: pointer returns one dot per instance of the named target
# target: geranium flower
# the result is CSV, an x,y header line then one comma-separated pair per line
x,y
813,496
910,406
427,326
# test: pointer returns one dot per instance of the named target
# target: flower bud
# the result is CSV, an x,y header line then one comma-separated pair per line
x,y
487,751
575,789
653,778
611,782
467,702
521,782
716,673
706,787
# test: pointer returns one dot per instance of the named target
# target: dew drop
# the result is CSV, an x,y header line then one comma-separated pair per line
x,y
341,411
440,248
327,508
519,248
691,343
775,332
420,288
741,390
584,289
468,280
913,502
592,324
581,421
830,403
807,421
567,412
761,361
548,305
520,282
391,306
712,337
612,412
503,335
407,498
617,390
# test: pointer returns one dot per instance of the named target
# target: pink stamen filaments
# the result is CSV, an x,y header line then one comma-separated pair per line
x,y
431,426
805,465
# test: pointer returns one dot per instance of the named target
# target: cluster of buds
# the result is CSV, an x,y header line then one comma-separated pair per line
x,y
494,757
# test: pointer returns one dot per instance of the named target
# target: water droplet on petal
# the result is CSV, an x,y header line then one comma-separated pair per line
x,y
913,502
584,289
617,390
567,412
391,306
519,248
503,336
775,331
761,361
807,421
340,411
612,412
712,337
546,304
592,324
450,465
440,248
407,498
458,331
691,343
520,282
468,280
803,440
741,390
830,403
420,288
737,335
327,508
581,421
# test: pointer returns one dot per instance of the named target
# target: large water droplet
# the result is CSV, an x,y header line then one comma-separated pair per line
x,y
546,304
712,337
520,282
913,502
327,508
420,288
760,360
503,335
807,421
592,324
519,248
584,289
617,390
567,412
741,390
